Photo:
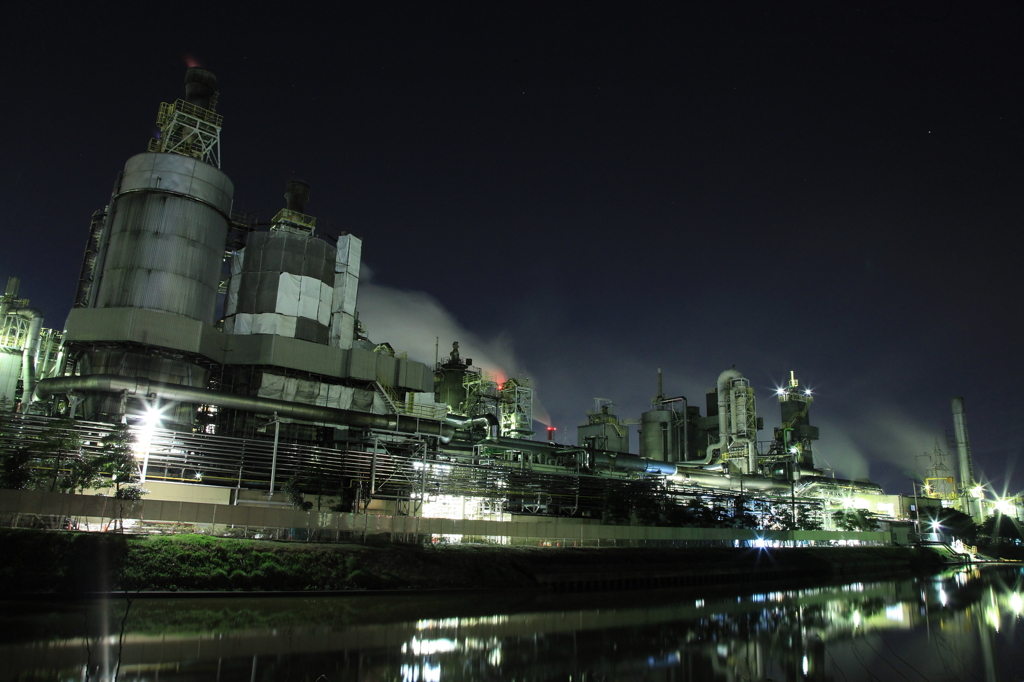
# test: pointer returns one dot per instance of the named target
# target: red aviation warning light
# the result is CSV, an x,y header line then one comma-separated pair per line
x,y
551,434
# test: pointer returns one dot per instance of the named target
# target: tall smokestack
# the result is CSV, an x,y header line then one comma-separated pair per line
x,y
200,86
297,194
971,504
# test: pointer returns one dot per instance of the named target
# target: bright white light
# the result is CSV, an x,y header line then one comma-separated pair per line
x,y
856,619
992,616
780,391
807,664
794,451
152,418
1016,603
1004,507
427,647
807,392
894,612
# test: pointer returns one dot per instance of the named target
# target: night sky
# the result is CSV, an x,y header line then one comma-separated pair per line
x,y
581,193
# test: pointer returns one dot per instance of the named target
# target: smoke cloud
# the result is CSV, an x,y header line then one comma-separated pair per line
x,y
413,321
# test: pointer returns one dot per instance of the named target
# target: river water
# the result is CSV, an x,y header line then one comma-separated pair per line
x,y
965,624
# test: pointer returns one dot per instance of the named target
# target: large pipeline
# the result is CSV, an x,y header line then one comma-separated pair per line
x,y
147,389
744,482
624,462
29,350
738,483
732,482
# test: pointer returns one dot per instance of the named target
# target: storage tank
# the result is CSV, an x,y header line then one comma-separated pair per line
x,y
657,436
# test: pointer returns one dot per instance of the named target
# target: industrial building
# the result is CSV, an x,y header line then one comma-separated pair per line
x,y
236,353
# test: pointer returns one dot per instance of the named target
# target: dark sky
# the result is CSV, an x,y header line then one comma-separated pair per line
x,y
584,192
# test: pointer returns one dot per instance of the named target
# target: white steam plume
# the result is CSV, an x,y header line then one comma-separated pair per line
x,y
411,321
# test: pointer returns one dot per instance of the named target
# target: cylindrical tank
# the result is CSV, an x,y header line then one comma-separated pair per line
x,y
657,438
449,386
168,227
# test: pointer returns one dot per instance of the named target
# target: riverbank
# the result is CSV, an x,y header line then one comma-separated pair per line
x,y
79,563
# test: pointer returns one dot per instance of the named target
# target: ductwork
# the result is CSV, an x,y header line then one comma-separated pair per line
x,y
146,389
28,353
724,379
484,421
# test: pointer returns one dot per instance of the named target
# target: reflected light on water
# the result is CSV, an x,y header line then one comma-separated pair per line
x,y
812,633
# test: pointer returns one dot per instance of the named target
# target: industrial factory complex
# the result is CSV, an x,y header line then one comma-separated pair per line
x,y
235,352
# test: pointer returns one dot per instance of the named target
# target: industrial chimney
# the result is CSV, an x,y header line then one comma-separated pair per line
x,y
971,503
200,86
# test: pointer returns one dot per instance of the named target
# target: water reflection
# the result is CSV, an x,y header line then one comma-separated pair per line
x,y
958,625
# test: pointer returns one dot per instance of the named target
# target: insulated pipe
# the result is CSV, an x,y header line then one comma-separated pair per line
x,y
624,462
486,421
144,388
542,446
28,352
723,410
737,482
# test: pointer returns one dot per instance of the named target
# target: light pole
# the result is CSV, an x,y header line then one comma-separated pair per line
x,y
150,422
273,462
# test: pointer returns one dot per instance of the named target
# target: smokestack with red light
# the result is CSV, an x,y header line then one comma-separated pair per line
x,y
551,434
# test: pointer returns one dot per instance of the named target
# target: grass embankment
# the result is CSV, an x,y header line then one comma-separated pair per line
x,y
69,562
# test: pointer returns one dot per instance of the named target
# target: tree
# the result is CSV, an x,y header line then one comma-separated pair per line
x,y
293,489
952,522
16,456
807,522
59,450
859,520
1001,528
16,472
117,460
741,517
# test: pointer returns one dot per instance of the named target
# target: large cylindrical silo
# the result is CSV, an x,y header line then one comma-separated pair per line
x,y
165,245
